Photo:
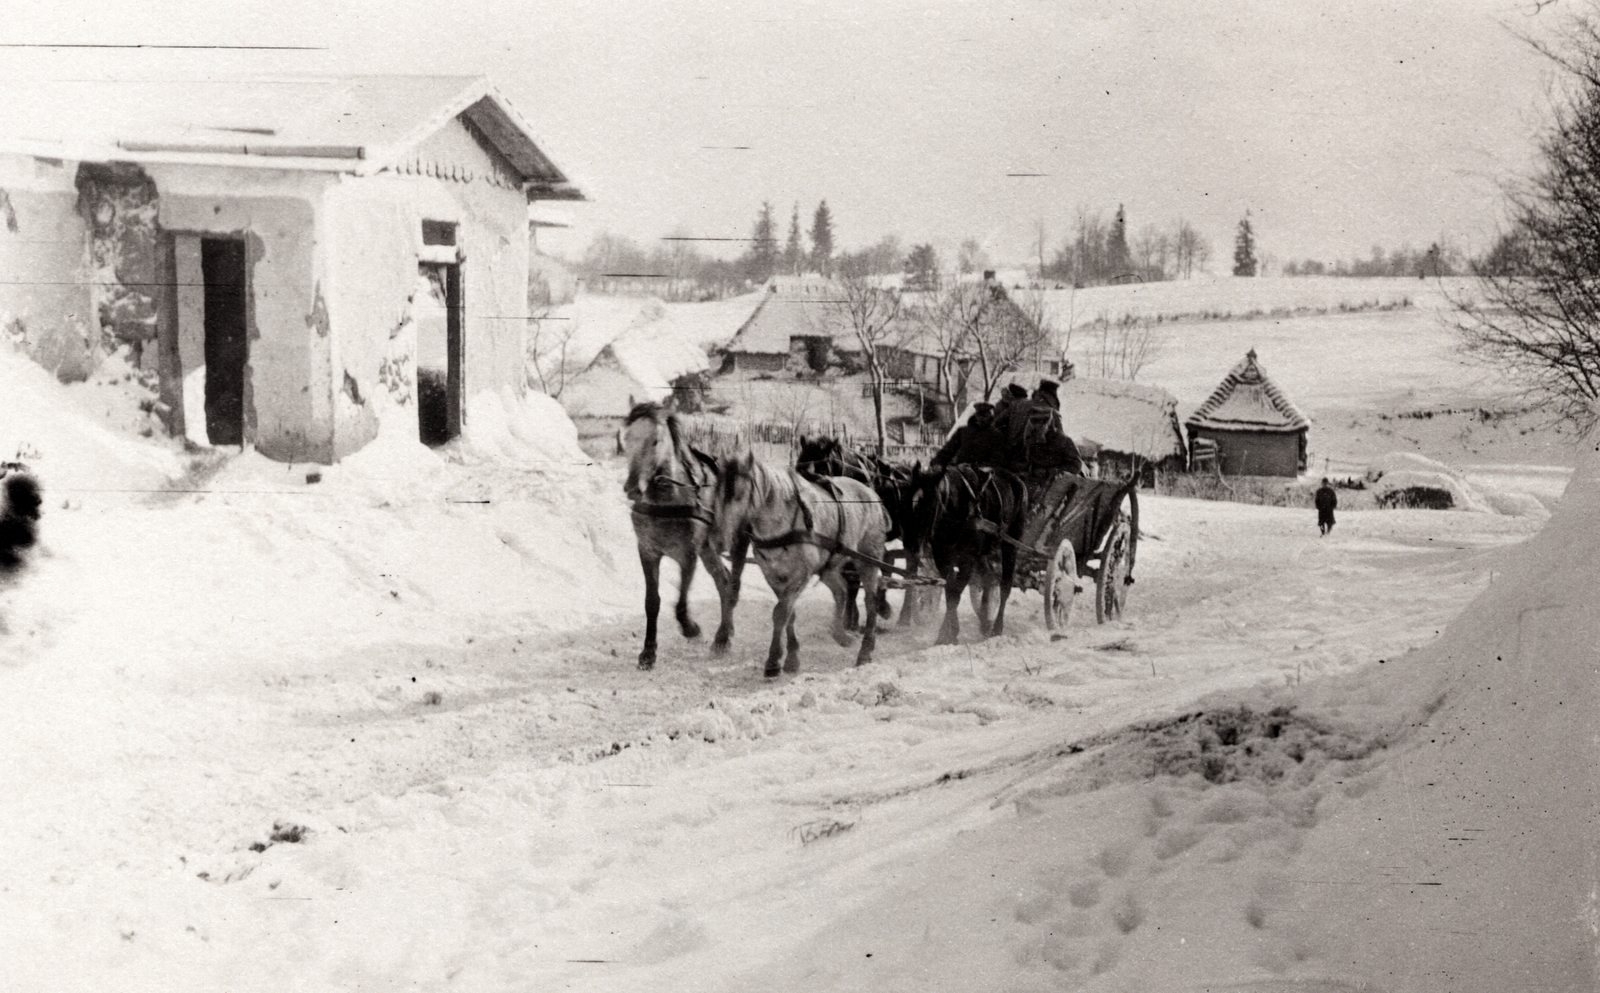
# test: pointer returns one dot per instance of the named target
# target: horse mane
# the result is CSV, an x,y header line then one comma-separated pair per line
x,y
640,411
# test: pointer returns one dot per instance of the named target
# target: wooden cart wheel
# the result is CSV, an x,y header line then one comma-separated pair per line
x,y
1111,590
1060,585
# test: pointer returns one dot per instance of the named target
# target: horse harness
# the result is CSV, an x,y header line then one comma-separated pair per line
x,y
694,511
806,534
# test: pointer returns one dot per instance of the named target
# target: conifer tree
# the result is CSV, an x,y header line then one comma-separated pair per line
x,y
762,258
1118,258
794,255
822,240
1244,249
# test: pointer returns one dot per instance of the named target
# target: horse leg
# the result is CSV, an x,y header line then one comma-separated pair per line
x,y
791,665
782,618
727,583
869,637
686,564
651,561
950,630
852,585
978,595
1008,572
843,603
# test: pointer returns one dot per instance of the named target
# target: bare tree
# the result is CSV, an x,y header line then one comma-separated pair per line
x,y
870,312
1005,335
1150,251
945,323
547,343
1121,349
1539,320
971,258
1189,249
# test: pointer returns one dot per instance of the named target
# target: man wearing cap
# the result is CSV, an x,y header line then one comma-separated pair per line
x,y
976,441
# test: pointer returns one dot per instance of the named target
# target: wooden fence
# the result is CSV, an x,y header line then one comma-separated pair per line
x,y
774,441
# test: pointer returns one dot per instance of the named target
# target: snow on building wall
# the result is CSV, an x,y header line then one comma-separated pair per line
x,y
357,254
42,239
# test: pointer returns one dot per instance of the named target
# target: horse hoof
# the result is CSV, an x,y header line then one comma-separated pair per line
x,y
792,666
691,629
646,664
771,672
719,647
844,640
863,660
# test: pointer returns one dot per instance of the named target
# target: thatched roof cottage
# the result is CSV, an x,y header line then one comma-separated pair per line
x,y
1250,424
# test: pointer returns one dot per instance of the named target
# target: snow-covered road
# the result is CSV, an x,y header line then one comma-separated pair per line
x,y
528,811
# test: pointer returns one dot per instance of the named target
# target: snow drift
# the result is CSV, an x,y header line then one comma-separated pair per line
x,y
1425,823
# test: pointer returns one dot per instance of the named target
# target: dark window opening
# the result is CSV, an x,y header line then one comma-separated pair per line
x,y
438,233
222,265
436,309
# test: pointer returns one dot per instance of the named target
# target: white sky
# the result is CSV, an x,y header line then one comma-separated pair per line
x,y
1337,124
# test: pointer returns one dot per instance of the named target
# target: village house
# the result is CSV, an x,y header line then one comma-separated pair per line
x,y
1248,427
293,259
798,327
794,326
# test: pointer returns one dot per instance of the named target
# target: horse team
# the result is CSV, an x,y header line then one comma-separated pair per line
x,y
831,516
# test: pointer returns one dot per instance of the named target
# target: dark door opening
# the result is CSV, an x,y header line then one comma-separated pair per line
x,y
227,347
436,310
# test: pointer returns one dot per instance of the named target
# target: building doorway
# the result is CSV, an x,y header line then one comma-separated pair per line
x,y
227,345
436,309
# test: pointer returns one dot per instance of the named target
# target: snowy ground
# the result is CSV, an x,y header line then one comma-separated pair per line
x,y
384,731
528,811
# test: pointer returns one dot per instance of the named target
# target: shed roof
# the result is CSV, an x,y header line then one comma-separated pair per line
x,y
1248,400
1125,417
355,124
790,309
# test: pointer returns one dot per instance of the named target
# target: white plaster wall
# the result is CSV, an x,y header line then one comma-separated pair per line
x,y
289,383
373,231
493,237
46,300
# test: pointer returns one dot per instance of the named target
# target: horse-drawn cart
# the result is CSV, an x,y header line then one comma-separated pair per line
x,y
1077,527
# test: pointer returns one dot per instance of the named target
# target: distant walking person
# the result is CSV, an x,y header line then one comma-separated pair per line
x,y
1326,501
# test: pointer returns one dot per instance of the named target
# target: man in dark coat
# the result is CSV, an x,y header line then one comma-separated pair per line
x,y
976,442
1008,399
1035,441
1326,500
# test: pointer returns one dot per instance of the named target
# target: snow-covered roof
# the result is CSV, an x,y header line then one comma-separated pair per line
x,y
633,351
354,124
792,307
1248,400
1125,417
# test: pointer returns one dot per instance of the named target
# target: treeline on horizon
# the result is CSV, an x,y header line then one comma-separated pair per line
x,y
1095,252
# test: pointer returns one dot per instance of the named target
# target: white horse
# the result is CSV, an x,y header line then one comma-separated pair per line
x,y
671,487
797,530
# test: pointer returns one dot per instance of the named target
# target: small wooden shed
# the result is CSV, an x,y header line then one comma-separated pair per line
x,y
1251,425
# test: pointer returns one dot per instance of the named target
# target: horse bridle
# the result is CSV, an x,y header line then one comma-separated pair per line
x,y
669,511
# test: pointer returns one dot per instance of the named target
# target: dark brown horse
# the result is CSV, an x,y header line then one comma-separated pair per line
x,y
961,515
672,488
